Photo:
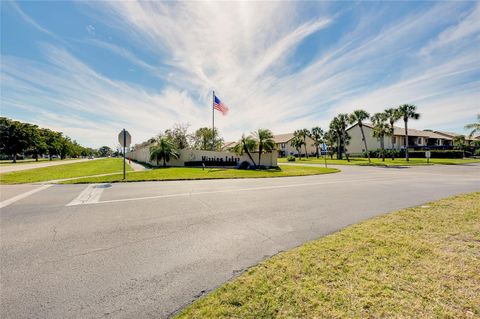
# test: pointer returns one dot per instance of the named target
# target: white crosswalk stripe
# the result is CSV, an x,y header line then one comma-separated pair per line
x,y
90,195
14,199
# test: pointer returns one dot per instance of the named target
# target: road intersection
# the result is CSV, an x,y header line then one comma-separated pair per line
x,y
147,249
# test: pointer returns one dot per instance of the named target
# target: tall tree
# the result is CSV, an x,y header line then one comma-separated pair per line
x,y
203,138
380,130
178,134
474,127
357,117
265,142
246,145
15,137
105,151
66,147
317,137
164,150
339,126
330,138
459,142
54,143
408,111
39,146
297,142
393,115
303,134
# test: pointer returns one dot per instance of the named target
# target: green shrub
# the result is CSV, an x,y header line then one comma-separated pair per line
x,y
477,152
437,154
291,158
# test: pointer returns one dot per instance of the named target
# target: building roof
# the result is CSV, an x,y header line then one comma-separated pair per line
x,y
228,145
452,135
400,131
283,138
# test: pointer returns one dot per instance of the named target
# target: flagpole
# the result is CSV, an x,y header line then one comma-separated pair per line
x,y
213,120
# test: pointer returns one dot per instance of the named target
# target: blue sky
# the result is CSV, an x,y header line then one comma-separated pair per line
x,y
91,68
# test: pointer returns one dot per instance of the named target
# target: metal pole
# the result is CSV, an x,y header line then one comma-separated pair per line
x,y
326,148
124,142
213,121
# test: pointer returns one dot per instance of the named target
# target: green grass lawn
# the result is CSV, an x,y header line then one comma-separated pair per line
x,y
377,161
421,262
93,167
184,173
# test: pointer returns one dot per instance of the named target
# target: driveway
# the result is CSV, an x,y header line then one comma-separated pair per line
x,y
145,250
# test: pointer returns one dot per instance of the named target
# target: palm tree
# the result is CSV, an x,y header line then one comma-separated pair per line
x,y
475,127
164,149
317,136
408,111
393,115
459,142
380,129
303,134
265,142
297,142
330,138
339,126
358,116
246,145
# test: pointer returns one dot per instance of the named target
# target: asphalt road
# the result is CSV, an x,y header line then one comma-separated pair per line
x,y
144,250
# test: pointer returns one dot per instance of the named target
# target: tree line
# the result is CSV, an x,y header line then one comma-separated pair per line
x,y
25,139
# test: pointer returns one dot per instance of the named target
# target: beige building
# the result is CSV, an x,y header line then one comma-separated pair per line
x,y
284,147
416,139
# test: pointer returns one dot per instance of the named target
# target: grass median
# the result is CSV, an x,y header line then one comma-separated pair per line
x,y
68,170
188,173
379,162
420,262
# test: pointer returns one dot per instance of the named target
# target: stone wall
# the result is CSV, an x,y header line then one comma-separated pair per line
x,y
193,157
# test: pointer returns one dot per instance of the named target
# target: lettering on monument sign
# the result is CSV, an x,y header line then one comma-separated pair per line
x,y
215,161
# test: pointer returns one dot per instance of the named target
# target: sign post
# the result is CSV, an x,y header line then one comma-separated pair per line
x,y
125,139
427,155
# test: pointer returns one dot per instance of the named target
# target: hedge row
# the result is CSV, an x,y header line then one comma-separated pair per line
x,y
437,154
416,154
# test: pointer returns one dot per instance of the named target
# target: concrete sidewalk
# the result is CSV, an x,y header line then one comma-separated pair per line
x,y
137,166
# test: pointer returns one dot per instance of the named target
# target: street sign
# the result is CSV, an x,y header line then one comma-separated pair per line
x,y
427,154
127,138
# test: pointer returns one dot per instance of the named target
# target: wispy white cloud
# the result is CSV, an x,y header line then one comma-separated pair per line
x,y
248,54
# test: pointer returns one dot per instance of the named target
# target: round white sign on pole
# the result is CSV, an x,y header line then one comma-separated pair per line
x,y
427,154
127,139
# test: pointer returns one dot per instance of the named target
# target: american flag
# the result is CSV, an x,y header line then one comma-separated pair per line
x,y
219,106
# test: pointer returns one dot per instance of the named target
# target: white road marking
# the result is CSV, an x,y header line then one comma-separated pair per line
x,y
14,199
230,191
90,195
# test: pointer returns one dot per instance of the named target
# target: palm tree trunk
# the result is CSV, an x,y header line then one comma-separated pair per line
x,y
406,140
393,141
365,143
317,150
14,158
339,148
164,162
260,149
250,156
382,145
305,144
